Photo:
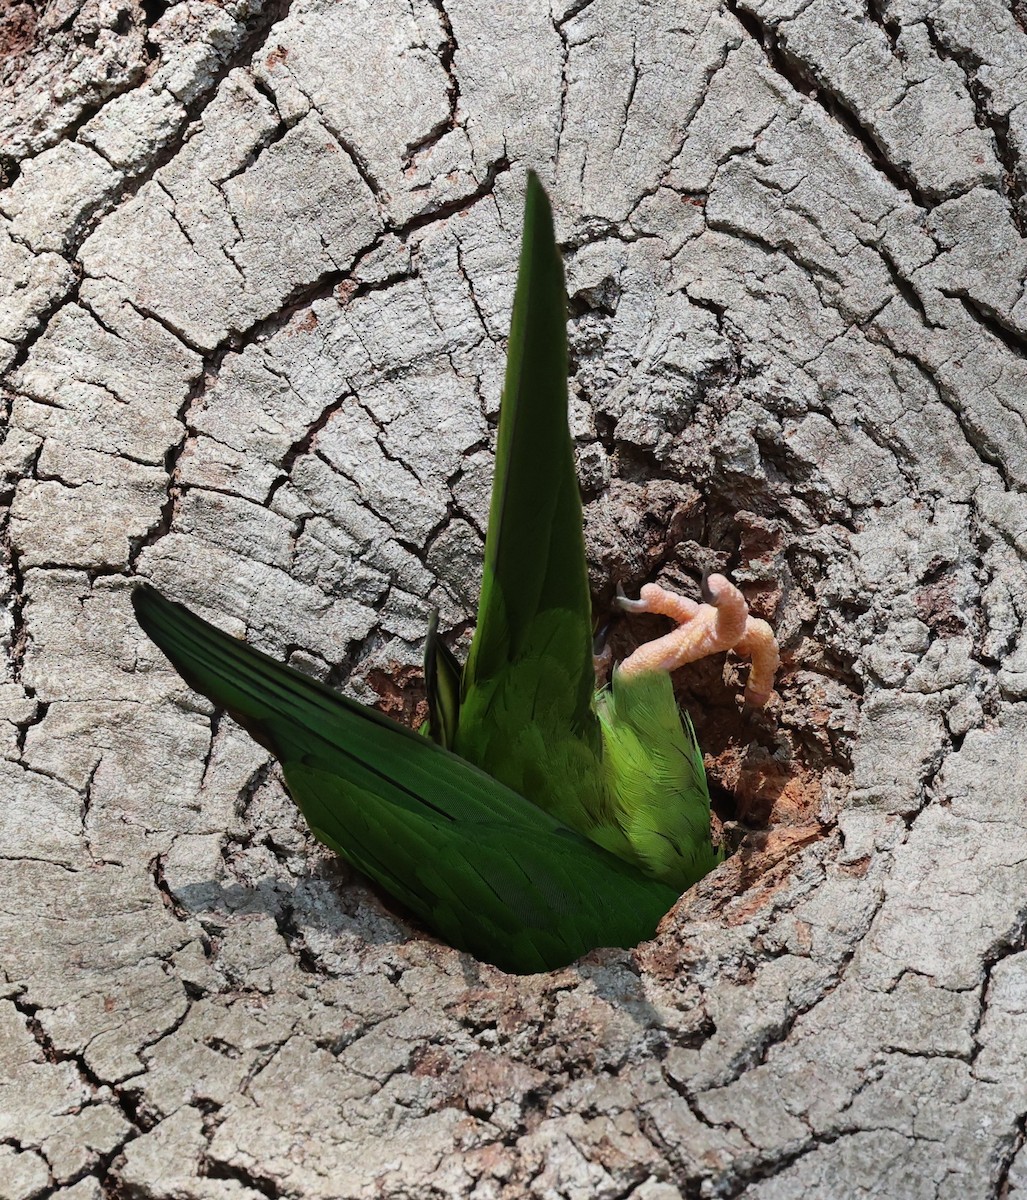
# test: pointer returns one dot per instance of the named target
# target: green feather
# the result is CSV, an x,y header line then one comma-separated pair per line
x,y
535,550
526,716
655,771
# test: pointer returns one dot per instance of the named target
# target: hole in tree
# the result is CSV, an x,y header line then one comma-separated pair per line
x,y
153,10
775,775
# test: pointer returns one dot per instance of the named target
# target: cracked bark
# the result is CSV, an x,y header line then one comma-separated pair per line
x,y
258,262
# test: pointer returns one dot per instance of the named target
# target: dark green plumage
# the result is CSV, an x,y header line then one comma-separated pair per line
x,y
563,821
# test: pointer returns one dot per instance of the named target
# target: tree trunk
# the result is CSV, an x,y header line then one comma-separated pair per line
x,y
258,262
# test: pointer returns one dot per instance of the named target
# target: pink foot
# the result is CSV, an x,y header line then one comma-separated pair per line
x,y
721,622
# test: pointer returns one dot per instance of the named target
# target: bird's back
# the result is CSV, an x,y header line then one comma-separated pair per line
x,y
655,779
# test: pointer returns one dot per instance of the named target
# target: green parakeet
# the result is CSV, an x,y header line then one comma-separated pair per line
x,y
538,819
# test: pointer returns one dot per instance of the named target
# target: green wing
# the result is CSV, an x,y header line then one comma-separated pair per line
x,y
479,864
526,713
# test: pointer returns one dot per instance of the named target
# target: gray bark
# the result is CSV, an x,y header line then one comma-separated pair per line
x,y
257,264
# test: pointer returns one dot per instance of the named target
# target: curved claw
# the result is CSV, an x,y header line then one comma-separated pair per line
x,y
704,589
626,605
599,647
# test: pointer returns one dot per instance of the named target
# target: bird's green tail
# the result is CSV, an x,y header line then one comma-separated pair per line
x,y
534,613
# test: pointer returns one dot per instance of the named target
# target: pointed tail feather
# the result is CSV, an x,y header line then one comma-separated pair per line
x,y
535,550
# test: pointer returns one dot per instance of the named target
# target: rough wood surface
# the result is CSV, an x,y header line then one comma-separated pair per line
x,y
256,268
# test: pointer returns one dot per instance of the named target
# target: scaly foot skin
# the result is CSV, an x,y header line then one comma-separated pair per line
x,y
721,622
